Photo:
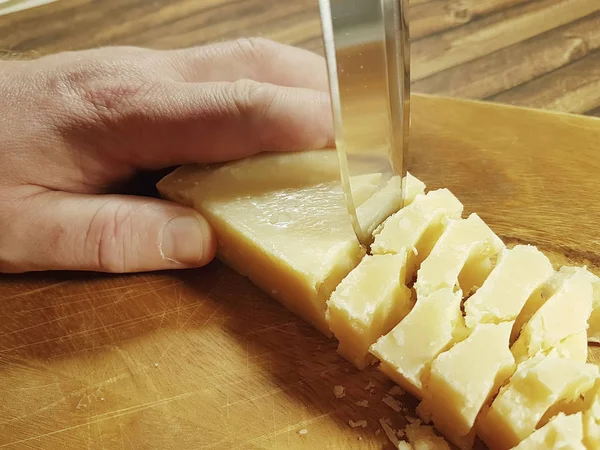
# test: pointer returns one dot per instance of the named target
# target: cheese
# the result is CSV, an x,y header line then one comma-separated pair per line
x,y
465,377
423,437
537,385
415,228
367,304
564,314
281,220
591,417
464,247
518,273
561,433
431,327
574,346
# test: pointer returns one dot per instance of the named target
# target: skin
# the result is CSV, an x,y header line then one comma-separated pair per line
x,y
74,125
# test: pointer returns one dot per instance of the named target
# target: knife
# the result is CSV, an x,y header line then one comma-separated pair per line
x,y
367,50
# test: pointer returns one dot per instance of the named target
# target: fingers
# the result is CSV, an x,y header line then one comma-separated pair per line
x,y
59,231
256,59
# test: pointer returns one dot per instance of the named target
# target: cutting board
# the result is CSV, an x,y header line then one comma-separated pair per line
x,y
203,359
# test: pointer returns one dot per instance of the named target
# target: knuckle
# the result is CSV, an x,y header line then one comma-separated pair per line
x,y
252,99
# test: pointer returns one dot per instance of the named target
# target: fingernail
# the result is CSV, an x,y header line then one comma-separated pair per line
x,y
185,240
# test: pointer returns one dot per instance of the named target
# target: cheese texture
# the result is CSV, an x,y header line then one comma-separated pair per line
x,y
281,220
518,273
465,377
415,228
431,327
591,417
561,433
367,304
461,256
537,385
564,314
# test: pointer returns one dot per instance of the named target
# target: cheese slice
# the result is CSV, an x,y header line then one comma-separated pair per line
x,y
431,327
537,385
460,256
591,417
561,433
281,220
574,346
367,304
423,437
415,228
465,377
518,273
564,314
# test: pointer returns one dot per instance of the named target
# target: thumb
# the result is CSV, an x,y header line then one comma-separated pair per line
x,y
111,233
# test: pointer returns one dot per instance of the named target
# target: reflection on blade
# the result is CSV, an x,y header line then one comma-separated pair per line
x,y
366,47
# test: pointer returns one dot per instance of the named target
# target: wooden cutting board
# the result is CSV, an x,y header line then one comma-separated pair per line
x,y
202,359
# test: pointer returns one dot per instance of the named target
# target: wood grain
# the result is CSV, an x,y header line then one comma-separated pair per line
x,y
201,358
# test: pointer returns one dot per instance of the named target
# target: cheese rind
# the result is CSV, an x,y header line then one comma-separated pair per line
x,y
281,220
459,256
564,314
537,385
561,433
431,327
367,304
517,274
465,377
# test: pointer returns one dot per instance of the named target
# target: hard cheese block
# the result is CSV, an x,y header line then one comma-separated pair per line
x,y
281,220
461,256
465,377
561,433
537,385
518,273
563,315
367,304
416,228
432,326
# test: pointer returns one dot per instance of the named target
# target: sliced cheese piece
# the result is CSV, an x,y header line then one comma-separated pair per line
x,y
465,245
281,221
561,433
431,327
415,228
423,437
367,304
465,377
517,274
564,314
537,385
591,417
574,346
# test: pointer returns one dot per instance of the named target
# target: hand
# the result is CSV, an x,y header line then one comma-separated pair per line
x,y
74,125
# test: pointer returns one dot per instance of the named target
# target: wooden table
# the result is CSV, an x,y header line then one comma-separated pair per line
x,y
201,358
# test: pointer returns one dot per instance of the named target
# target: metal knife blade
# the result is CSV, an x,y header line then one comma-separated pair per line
x,y
368,61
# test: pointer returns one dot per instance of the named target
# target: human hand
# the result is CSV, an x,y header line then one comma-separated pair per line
x,y
72,125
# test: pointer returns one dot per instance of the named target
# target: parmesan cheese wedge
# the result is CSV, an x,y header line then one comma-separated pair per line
x,y
561,433
367,304
461,256
563,315
465,377
431,327
415,228
518,273
537,385
591,417
281,220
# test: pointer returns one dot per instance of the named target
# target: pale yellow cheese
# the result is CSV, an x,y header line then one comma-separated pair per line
x,y
574,346
591,417
465,377
423,437
281,220
431,327
537,385
564,314
415,228
367,304
462,249
561,433
517,274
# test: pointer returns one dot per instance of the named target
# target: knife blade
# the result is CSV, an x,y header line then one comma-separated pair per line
x,y
367,51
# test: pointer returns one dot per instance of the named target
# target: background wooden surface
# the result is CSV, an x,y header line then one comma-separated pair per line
x,y
202,359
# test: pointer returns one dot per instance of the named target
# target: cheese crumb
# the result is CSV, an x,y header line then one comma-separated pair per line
x,y
397,390
303,431
392,403
339,391
155,364
389,432
363,403
358,423
403,445
101,399
377,432
369,386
